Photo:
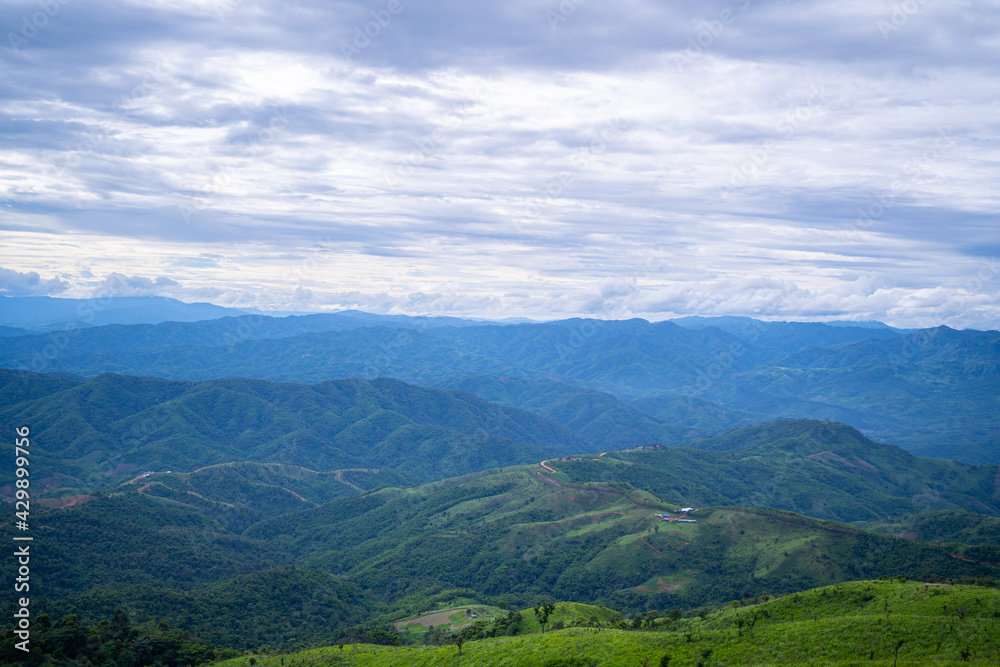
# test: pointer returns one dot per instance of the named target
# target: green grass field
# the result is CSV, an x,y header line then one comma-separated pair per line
x,y
446,619
858,623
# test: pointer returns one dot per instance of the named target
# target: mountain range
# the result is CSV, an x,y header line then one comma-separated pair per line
x,y
111,426
45,313
318,479
184,546
933,391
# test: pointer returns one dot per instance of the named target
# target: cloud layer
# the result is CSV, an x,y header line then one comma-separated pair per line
x,y
800,160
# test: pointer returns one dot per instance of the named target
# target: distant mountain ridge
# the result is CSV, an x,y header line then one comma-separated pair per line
x,y
45,313
934,390
93,431
817,468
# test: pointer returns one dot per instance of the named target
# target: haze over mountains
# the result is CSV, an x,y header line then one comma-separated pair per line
x,y
322,477
933,391
45,313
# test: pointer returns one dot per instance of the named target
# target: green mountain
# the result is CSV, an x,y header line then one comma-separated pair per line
x,y
94,431
280,606
697,417
944,380
30,347
13,332
238,495
601,418
135,540
780,338
934,391
630,357
817,468
948,526
523,533
163,544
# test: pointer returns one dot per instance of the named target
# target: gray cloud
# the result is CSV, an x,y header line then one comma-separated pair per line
x,y
795,159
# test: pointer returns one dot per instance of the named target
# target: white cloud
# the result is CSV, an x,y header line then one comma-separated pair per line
x,y
117,284
536,168
16,283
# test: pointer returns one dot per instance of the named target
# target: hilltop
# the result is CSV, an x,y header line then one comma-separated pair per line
x,y
874,622
819,468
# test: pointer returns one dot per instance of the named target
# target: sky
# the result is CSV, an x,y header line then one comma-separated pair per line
x,y
797,160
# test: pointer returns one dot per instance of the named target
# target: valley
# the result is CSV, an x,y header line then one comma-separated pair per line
x,y
328,512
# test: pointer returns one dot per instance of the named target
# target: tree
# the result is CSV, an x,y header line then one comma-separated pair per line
x,y
542,613
120,621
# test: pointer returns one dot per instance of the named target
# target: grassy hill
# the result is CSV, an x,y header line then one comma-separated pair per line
x,y
519,533
865,622
510,536
812,467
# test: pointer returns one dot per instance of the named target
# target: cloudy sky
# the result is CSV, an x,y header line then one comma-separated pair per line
x,y
779,159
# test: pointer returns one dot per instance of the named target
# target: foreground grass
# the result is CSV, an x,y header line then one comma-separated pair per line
x,y
850,624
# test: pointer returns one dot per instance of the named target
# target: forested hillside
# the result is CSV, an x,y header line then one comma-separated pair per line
x,y
934,391
188,547
94,431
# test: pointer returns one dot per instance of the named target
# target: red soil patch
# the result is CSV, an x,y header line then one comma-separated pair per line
x,y
63,503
